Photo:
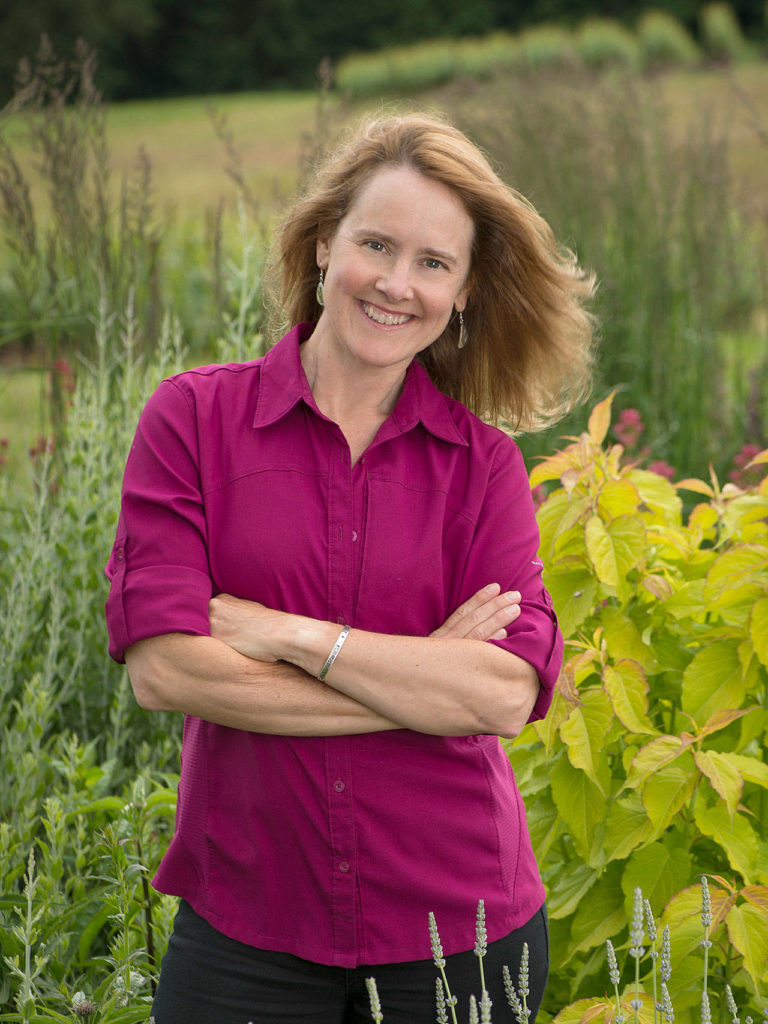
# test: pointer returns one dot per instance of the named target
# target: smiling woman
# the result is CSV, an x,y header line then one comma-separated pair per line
x,y
329,564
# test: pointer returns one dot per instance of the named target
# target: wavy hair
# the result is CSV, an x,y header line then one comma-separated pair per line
x,y
530,354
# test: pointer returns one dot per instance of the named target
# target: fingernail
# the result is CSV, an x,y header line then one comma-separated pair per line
x,y
491,588
513,596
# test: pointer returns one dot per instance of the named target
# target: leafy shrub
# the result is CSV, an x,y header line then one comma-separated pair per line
x,y
664,41
603,43
650,768
720,33
546,46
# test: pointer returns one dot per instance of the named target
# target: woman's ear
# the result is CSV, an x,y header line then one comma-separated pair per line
x,y
322,252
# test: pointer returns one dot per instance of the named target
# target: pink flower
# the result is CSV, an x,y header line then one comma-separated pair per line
x,y
741,475
539,495
662,468
629,427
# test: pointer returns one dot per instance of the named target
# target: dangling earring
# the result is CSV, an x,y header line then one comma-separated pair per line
x,y
463,332
319,291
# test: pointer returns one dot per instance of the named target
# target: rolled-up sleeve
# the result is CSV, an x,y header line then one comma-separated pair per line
x,y
158,568
505,550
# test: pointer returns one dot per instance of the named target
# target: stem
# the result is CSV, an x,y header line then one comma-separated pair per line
x,y
149,927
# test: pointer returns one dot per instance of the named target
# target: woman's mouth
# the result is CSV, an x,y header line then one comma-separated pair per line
x,y
387,319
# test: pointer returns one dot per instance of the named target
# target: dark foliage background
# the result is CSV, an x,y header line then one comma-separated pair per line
x,y
151,48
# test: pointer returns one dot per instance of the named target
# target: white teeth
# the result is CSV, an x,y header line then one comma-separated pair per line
x,y
389,319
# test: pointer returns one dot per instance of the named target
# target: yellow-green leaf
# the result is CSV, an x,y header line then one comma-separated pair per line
x,y
623,639
735,835
688,601
758,629
698,486
659,871
584,1011
600,420
625,684
748,933
667,790
652,757
615,549
618,498
573,595
658,494
713,681
749,768
551,468
584,732
757,895
724,777
628,827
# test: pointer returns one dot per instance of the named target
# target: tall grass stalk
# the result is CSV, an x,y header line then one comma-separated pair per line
x,y
657,217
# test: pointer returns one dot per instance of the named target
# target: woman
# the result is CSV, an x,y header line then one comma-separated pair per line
x,y
329,565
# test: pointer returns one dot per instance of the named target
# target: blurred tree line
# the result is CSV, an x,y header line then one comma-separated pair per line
x,y
153,48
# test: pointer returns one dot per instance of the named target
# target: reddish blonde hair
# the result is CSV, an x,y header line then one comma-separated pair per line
x,y
530,355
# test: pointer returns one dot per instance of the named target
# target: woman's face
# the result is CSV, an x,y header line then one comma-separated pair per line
x,y
396,268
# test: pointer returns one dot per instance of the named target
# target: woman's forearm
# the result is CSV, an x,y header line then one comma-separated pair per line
x,y
440,685
201,676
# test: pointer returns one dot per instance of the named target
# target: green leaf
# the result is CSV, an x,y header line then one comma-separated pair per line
x,y
668,790
600,917
734,835
623,638
628,827
748,933
584,732
573,595
713,681
626,686
722,774
579,802
600,420
569,888
659,871
687,601
615,548
758,629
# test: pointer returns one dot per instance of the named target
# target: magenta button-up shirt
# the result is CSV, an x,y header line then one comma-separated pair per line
x,y
333,848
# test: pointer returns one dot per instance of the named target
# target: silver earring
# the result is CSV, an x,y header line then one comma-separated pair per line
x,y
463,333
319,291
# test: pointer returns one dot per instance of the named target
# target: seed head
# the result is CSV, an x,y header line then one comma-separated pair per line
x,y
636,931
706,905
442,1009
731,1004
481,936
485,1008
706,1016
524,971
82,1007
474,1016
437,949
666,1004
613,967
665,964
373,997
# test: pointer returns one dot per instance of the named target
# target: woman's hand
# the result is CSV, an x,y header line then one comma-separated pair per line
x,y
253,629
483,616
248,627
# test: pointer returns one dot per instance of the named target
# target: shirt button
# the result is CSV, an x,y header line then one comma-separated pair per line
x,y
340,619
339,786
354,536
344,866
119,554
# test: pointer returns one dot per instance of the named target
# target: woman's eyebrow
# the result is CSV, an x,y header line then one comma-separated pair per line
x,y
384,237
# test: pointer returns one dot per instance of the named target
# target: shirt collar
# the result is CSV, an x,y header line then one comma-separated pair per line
x,y
283,384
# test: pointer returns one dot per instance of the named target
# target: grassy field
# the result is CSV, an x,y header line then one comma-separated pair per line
x,y
273,132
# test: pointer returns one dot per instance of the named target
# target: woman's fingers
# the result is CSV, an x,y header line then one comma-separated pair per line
x,y
484,616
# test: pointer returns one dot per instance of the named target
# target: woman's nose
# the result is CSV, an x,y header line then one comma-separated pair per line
x,y
395,281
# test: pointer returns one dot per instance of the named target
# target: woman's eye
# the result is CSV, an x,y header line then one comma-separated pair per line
x,y
433,264
376,245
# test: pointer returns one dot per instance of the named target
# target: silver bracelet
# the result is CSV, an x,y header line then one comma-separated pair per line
x,y
334,652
